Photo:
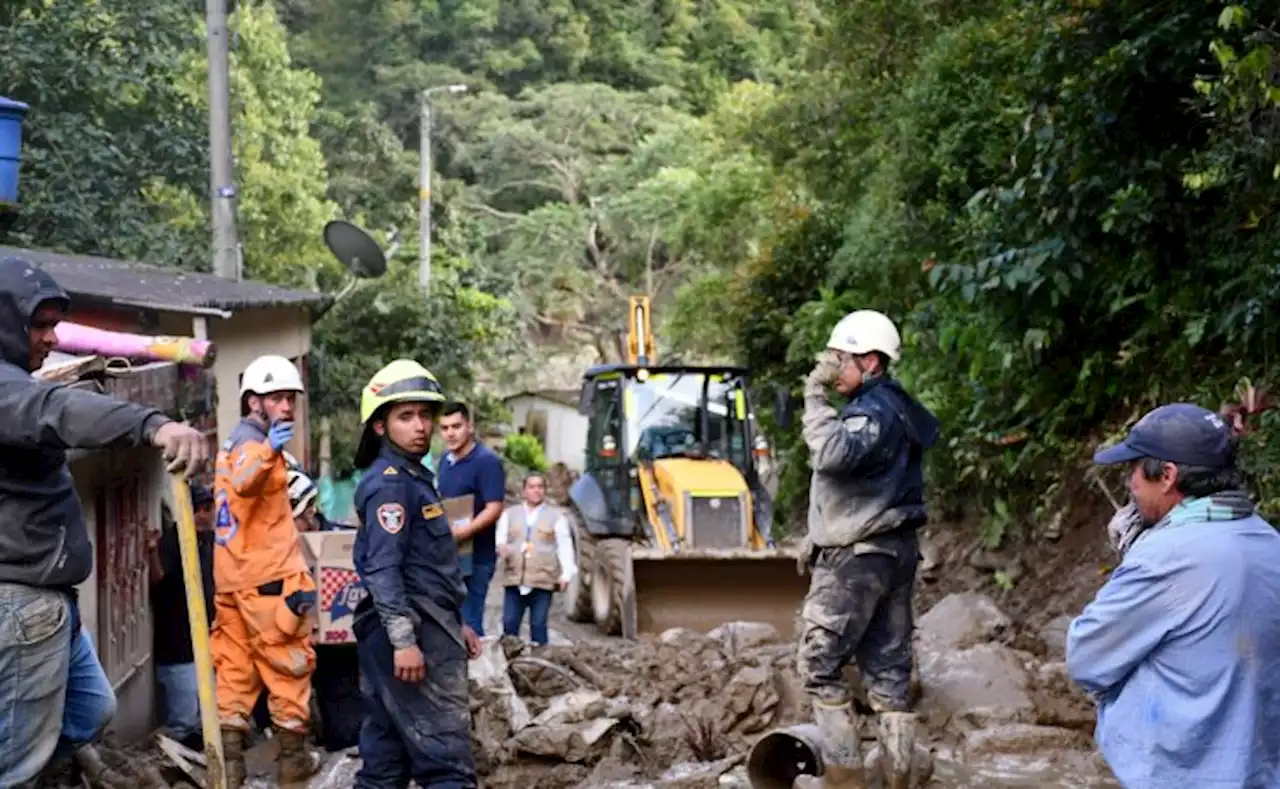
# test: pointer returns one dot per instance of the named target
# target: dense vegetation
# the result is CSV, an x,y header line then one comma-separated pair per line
x,y
1069,205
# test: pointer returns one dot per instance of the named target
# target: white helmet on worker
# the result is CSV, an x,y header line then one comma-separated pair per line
x,y
866,331
302,492
268,374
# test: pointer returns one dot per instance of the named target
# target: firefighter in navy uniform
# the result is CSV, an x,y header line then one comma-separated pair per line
x,y
410,639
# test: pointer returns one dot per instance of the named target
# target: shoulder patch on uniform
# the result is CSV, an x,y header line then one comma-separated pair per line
x,y
430,511
225,524
391,518
855,423
389,471
863,425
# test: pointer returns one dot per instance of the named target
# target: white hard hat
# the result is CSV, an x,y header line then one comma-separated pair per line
x,y
302,491
865,331
268,374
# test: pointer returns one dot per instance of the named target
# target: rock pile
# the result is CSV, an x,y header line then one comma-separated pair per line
x,y
683,710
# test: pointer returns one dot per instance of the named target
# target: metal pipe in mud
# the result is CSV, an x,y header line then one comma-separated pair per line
x,y
781,755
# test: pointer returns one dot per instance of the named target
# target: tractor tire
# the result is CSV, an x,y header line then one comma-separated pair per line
x,y
612,588
577,598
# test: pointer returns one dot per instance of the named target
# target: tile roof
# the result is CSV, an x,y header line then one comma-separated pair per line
x,y
141,285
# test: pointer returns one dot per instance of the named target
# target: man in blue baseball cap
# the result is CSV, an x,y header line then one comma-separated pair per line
x,y
1181,646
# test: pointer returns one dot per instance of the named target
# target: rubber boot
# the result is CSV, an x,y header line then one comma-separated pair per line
x,y
897,734
233,756
297,763
841,749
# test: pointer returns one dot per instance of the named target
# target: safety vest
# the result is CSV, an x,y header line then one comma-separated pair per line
x,y
531,558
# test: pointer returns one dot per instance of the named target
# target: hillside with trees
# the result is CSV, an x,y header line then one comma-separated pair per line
x,y
1070,206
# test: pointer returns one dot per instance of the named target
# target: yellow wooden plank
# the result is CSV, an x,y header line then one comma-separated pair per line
x,y
198,615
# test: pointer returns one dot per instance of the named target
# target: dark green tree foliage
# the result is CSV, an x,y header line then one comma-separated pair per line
x,y
107,122
1069,205
386,50
453,333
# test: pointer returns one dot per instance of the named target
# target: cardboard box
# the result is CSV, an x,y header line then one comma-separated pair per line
x,y
339,588
329,554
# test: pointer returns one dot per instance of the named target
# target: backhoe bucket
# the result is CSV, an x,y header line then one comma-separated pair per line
x,y
701,589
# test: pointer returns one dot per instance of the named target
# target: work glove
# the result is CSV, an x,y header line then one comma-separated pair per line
x,y
279,435
823,374
1124,528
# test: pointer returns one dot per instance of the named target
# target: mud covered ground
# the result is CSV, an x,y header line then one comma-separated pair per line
x,y
999,708
683,709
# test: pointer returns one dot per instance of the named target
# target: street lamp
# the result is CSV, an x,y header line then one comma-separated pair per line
x,y
424,181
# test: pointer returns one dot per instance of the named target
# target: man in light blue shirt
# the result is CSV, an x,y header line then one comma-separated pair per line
x,y
1181,647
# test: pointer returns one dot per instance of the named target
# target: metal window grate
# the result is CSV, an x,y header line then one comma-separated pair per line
x,y
716,521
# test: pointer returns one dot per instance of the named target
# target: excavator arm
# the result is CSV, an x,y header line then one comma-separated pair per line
x,y
640,346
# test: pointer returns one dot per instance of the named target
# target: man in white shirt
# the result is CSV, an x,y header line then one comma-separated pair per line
x,y
536,551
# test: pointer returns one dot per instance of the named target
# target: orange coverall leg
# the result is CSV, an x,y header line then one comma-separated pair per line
x,y
257,640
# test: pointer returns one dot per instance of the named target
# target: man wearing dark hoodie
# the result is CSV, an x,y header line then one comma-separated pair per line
x,y
54,695
866,502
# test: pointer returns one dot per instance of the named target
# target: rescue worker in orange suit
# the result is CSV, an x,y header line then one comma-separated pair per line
x,y
410,638
264,592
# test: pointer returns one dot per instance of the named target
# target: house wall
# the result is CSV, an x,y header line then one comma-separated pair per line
x,y
566,429
120,492
241,338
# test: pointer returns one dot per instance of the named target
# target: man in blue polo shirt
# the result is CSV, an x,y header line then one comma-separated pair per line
x,y
1181,646
472,468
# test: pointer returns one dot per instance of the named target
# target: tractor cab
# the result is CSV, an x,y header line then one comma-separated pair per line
x,y
642,418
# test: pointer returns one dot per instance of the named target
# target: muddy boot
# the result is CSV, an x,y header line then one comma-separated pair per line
x,y
901,764
841,748
297,763
233,756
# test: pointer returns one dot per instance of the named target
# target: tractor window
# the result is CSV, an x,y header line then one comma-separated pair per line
x,y
736,446
665,419
605,425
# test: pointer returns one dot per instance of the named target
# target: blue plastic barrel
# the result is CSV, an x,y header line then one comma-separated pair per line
x,y
12,114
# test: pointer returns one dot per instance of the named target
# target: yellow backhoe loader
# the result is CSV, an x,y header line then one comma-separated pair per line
x,y
671,522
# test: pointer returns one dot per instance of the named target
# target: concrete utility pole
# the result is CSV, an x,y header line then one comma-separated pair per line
x,y
424,182
222,190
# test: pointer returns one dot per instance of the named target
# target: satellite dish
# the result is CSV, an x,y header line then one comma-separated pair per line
x,y
355,249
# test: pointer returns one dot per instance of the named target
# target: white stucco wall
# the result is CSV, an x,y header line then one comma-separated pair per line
x,y
241,338
566,429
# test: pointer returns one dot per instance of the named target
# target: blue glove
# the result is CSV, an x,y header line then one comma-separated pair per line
x,y
279,435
